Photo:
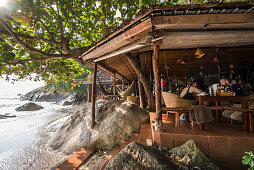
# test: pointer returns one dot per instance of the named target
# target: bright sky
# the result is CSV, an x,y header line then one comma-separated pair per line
x,y
3,3
21,86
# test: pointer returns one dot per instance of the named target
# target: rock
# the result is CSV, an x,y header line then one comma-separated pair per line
x,y
66,103
138,156
188,156
114,121
29,107
39,95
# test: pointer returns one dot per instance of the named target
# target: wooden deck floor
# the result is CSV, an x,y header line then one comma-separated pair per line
x,y
223,143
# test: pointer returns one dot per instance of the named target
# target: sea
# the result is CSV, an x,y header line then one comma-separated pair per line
x,y
23,138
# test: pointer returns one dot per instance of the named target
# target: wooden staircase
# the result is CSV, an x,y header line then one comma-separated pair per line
x,y
74,161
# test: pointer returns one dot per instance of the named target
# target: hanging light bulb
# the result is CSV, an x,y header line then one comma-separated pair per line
x,y
232,71
201,73
201,67
216,59
199,53
180,61
231,66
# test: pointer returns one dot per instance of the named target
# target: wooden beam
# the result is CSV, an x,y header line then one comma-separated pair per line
x,y
183,40
203,19
157,89
123,39
93,96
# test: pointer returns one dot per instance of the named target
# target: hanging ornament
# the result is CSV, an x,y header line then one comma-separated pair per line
x,y
216,59
180,61
199,53
201,67
232,66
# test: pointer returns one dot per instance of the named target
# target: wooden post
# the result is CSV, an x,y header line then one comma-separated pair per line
x,y
142,78
201,102
93,95
88,94
157,81
114,84
151,71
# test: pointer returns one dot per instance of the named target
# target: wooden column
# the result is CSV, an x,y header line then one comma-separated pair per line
x,y
201,102
88,94
157,81
93,95
142,78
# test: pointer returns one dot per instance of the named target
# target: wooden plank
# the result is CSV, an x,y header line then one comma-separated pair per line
x,y
74,161
121,40
203,19
180,40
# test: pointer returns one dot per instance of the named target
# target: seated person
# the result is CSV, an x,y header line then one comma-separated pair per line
x,y
188,92
239,91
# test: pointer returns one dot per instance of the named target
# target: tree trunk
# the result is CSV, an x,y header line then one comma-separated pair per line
x,y
93,95
157,81
143,80
142,97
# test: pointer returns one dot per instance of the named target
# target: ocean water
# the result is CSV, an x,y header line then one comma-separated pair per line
x,y
23,139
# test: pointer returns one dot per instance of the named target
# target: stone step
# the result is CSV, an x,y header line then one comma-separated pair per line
x,y
145,133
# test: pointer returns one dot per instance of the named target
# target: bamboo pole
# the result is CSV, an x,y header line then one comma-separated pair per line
x,y
93,95
88,94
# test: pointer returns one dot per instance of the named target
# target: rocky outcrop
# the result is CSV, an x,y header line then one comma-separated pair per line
x,y
39,95
115,120
29,107
188,156
138,156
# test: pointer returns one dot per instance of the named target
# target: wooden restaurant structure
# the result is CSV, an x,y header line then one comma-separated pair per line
x,y
157,42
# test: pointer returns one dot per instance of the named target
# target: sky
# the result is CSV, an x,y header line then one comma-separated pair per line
x,y
18,87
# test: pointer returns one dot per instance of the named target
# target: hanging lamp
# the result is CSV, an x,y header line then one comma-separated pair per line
x,y
199,53
232,66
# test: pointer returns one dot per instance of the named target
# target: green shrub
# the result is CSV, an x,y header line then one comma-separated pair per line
x,y
249,160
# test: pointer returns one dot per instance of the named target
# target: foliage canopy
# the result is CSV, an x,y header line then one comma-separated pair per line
x,y
46,37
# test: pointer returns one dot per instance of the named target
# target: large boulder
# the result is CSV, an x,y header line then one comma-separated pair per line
x,y
115,120
138,156
188,156
29,107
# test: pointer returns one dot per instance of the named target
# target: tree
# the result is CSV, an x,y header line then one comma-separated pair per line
x,y
47,36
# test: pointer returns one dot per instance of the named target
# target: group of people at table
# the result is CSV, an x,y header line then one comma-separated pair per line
x,y
225,87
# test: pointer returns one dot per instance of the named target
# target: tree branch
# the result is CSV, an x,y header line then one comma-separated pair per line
x,y
34,59
45,27
21,43
27,37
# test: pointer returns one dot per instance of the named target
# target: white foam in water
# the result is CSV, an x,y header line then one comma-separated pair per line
x,y
23,138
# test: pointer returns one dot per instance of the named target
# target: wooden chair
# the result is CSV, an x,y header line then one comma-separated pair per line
x,y
174,101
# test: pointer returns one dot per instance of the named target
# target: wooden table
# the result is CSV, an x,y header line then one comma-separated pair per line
x,y
241,99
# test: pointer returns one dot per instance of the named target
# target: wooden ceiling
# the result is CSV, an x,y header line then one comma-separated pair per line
x,y
239,56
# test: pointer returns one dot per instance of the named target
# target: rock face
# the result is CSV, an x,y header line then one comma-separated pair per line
x,y
39,95
188,156
115,120
137,156
29,107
